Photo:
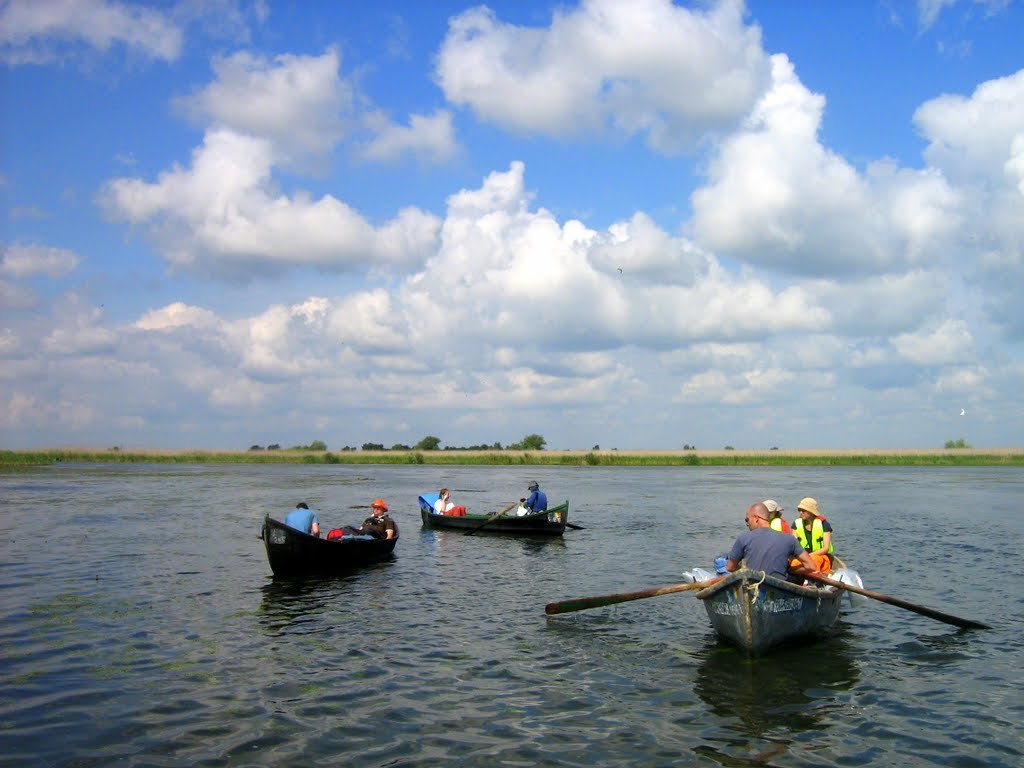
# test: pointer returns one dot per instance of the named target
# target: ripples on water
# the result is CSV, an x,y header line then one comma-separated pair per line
x,y
141,625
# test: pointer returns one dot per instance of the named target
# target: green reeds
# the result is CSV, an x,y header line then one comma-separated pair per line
x,y
956,457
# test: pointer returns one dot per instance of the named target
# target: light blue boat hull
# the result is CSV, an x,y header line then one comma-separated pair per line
x,y
756,612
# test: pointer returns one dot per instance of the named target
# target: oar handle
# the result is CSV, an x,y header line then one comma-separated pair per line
x,y
583,603
921,609
490,519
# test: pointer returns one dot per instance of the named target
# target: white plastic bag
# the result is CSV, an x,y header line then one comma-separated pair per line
x,y
851,577
696,574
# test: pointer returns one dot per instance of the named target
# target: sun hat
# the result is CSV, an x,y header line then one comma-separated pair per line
x,y
773,506
379,504
532,486
808,505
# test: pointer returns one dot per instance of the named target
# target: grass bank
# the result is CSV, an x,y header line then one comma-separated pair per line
x,y
867,457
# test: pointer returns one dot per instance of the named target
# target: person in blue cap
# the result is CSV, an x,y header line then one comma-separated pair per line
x,y
536,501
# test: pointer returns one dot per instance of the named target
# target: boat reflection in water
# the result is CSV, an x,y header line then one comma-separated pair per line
x,y
289,604
775,697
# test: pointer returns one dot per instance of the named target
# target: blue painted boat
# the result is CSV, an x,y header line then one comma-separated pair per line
x,y
757,612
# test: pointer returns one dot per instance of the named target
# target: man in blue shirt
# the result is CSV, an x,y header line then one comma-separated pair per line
x,y
765,549
302,518
537,502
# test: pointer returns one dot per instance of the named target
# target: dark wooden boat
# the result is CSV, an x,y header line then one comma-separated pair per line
x,y
757,612
294,553
549,523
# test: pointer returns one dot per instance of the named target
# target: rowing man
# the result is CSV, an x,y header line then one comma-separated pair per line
x,y
766,549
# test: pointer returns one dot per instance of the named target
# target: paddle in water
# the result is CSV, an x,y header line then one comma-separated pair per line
x,y
490,519
583,603
923,610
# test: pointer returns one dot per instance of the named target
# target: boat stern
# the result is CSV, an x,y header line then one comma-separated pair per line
x,y
757,612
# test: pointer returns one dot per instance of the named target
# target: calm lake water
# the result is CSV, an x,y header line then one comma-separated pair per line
x,y
141,625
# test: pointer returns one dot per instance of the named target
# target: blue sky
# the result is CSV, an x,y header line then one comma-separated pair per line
x,y
635,225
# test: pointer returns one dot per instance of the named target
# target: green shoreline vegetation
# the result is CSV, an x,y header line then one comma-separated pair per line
x,y
613,458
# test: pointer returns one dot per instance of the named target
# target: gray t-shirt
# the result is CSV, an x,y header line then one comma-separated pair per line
x,y
766,550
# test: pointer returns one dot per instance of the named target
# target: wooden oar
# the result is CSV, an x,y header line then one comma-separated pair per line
x,y
575,527
929,612
490,519
583,603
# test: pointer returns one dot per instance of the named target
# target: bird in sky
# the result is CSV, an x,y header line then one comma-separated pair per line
x,y
963,412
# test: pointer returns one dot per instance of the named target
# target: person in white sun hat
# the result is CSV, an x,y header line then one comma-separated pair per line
x,y
814,532
775,518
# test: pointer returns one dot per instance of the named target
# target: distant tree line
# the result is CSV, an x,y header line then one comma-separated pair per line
x,y
316,445
958,443
532,442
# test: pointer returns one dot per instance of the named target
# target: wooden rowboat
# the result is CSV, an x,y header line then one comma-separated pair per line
x,y
757,612
549,523
294,553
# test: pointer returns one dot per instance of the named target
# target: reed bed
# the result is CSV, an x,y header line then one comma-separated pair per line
x,y
787,458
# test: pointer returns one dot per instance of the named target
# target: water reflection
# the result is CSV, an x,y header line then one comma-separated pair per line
x,y
539,545
291,603
789,691
455,542
946,650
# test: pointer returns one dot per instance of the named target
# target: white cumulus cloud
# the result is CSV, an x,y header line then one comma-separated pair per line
x,y
430,139
299,103
34,32
22,260
224,215
647,67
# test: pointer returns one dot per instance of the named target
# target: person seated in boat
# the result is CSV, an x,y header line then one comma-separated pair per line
x,y
765,549
537,501
814,533
775,519
379,524
304,519
445,506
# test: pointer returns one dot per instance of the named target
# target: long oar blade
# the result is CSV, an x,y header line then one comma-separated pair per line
x,y
583,603
923,610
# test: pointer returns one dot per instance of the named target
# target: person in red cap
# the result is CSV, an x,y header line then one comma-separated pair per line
x,y
379,524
